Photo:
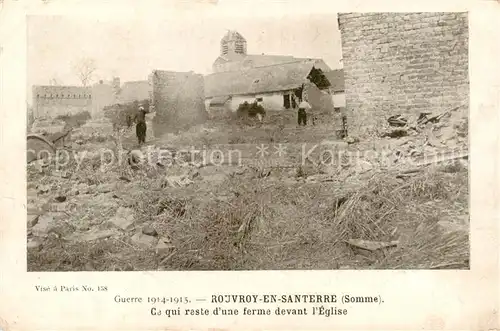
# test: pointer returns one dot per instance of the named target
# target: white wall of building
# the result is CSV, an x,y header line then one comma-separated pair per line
x,y
338,99
273,101
270,101
239,99
207,104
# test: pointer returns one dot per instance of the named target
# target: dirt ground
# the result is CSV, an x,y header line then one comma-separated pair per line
x,y
151,216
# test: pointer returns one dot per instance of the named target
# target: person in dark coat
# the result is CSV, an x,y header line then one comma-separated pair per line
x,y
140,128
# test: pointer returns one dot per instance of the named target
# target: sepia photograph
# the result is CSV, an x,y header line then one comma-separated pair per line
x,y
208,143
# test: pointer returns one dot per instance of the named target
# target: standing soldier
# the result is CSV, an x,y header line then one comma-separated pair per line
x,y
140,129
304,107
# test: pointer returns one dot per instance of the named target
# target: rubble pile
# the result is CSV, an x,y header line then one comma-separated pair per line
x,y
84,201
99,126
98,130
407,141
84,205
47,126
443,130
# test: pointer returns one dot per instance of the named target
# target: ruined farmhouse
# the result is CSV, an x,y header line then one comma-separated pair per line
x,y
403,63
271,80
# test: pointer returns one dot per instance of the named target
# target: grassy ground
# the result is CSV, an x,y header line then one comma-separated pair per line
x,y
243,221
243,224
276,127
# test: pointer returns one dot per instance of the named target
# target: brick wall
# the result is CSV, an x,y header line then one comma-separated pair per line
x,y
402,63
178,98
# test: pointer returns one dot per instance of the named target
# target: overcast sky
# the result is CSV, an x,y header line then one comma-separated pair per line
x,y
132,49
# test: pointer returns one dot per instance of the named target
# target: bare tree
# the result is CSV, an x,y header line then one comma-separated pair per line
x,y
85,69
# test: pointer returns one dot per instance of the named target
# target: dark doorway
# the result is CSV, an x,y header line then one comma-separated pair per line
x,y
286,101
298,92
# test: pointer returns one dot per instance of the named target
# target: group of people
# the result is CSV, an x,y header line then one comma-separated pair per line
x,y
141,127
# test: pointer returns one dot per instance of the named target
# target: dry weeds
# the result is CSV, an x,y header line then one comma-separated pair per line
x,y
262,224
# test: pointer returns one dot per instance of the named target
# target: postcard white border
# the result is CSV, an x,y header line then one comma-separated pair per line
x,y
413,299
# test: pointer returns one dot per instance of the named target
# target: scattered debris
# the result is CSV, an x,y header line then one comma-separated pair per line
x,y
193,174
176,181
427,117
61,174
144,241
397,120
125,179
106,187
60,207
319,178
136,158
94,235
124,218
456,165
362,166
163,247
60,198
215,178
396,133
149,230
457,224
32,219
83,188
42,189
43,226
351,140
440,130
34,244
264,173
371,245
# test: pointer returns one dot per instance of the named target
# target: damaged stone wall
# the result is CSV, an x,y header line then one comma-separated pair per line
x,y
178,99
402,63
320,101
103,95
53,101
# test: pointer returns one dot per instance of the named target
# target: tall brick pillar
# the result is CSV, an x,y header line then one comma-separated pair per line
x,y
402,63
178,99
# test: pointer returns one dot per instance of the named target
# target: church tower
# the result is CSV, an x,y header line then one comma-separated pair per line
x,y
233,43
